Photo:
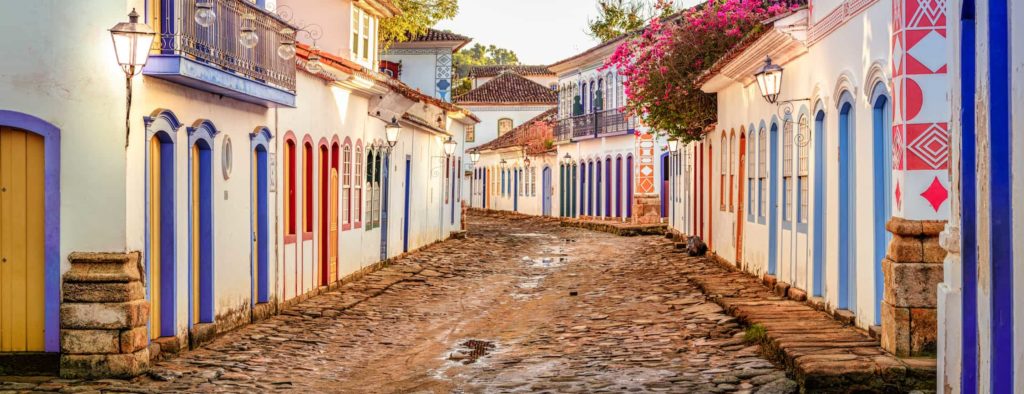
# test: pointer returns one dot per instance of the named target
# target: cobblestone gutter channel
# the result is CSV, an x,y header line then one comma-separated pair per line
x,y
823,354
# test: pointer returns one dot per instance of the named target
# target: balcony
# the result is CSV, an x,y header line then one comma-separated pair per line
x,y
212,59
607,123
563,130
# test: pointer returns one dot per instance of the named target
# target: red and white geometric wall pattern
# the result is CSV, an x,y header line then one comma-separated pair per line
x,y
645,168
921,115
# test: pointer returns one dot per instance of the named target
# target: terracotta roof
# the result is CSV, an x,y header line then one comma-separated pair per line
x,y
532,134
439,35
730,55
521,69
510,88
345,65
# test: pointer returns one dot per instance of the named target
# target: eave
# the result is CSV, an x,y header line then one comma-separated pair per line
x,y
784,41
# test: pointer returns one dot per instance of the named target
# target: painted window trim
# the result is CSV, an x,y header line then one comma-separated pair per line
x,y
358,171
346,184
288,203
308,182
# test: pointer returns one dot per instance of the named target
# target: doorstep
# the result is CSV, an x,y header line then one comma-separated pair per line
x,y
821,353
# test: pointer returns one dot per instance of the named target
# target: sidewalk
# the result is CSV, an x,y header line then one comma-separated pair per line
x,y
821,353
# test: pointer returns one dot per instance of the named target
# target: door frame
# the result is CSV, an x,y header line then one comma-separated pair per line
x,y
205,131
260,257
546,191
51,220
741,195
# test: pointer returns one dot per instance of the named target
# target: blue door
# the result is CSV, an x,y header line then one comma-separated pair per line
x,y
515,190
968,204
405,220
773,208
546,191
384,176
819,203
847,263
881,117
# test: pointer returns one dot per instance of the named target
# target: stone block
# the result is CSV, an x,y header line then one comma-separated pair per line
x,y
125,366
904,227
134,340
89,341
103,292
932,251
769,280
924,332
104,267
170,345
932,228
781,288
104,316
911,284
896,330
201,334
796,294
905,250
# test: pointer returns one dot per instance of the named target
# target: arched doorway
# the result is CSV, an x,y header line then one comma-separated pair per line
x,y
161,227
881,124
260,209
847,261
201,239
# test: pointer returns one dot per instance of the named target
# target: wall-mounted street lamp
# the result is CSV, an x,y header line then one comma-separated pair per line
x,y
132,41
769,82
526,162
474,157
673,145
567,158
449,146
391,131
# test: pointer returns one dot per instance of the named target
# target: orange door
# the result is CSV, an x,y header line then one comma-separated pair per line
x,y
22,298
332,235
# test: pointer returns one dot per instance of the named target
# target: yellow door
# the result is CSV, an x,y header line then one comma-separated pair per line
x,y
332,235
154,237
22,299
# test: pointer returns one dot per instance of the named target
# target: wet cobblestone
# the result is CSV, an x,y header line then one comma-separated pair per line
x,y
566,309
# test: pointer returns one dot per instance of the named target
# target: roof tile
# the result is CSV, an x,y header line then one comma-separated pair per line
x,y
510,88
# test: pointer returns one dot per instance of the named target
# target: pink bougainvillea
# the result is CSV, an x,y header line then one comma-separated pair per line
x,y
662,63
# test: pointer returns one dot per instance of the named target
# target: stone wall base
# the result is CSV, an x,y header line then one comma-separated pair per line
x,y
913,271
103,317
646,209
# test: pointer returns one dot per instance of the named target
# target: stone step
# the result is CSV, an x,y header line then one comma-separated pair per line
x,y
104,267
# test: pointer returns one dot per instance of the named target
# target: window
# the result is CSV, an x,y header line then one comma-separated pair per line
x,y
289,184
802,172
504,125
732,171
722,170
357,203
364,33
346,185
471,133
533,182
751,162
787,173
373,179
307,187
762,173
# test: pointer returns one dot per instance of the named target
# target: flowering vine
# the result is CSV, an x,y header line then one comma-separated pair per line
x,y
661,65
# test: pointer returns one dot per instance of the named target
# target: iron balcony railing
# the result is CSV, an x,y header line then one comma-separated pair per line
x,y
563,130
218,45
606,123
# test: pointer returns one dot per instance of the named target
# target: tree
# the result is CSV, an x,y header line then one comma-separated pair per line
x,y
662,64
618,17
475,56
417,16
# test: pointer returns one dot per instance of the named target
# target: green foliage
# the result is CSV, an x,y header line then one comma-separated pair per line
x,y
417,16
478,55
755,334
618,17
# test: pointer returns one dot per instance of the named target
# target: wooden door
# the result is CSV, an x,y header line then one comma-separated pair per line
x,y
196,230
332,235
22,298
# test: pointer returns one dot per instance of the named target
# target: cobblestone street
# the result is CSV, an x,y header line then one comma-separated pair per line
x,y
553,309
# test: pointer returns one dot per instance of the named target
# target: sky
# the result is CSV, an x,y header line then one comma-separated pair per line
x,y
538,31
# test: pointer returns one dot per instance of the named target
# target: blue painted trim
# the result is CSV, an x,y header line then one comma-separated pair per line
x,y
515,191
453,179
881,119
597,189
751,175
485,190
168,239
590,190
1001,205
629,186
773,208
385,210
608,197
618,187
661,183
202,134
583,188
968,204
209,78
405,220
819,141
847,216
51,221
573,191
260,144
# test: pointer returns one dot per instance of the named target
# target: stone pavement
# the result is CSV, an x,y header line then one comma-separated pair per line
x,y
520,305
823,354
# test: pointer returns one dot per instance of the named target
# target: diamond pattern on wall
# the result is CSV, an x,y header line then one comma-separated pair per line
x,y
936,194
897,147
928,147
930,51
899,197
926,13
